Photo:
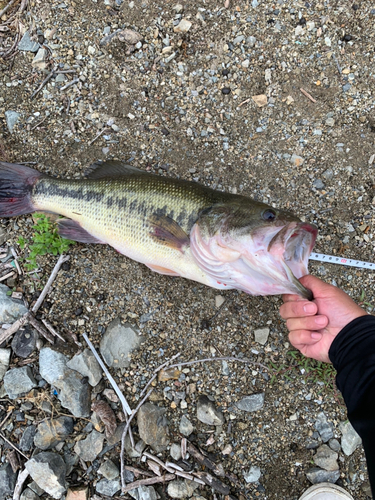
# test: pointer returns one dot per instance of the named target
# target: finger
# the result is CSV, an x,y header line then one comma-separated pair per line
x,y
288,297
311,323
298,308
299,338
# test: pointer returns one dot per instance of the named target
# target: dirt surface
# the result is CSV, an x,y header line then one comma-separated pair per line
x,y
172,118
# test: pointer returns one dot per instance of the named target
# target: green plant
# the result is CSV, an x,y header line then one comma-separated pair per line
x,y
45,240
362,302
310,369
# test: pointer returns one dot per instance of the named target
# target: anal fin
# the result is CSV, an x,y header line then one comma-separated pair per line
x,y
162,270
72,230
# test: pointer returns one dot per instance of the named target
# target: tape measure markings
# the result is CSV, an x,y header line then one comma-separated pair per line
x,y
333,259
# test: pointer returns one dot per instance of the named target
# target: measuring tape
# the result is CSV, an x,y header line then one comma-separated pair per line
x,y
333,259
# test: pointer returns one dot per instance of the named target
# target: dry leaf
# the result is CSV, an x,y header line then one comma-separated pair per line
x,y
165,375
106,415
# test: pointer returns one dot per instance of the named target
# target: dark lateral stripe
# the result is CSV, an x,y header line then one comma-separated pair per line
x,y
77,193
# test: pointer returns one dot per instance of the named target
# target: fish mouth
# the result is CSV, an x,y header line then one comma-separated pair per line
x,y
292,246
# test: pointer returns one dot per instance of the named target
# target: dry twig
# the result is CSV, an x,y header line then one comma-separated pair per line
x,y
14,328
63,258
309,96
156,373
52,330
13,446
146,482
22,476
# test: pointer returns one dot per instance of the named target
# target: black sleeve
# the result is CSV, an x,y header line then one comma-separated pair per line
x,y
353,355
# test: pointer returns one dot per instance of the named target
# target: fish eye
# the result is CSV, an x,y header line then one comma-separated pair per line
x,y
269,214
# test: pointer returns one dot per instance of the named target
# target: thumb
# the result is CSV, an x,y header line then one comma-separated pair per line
x,y
317,286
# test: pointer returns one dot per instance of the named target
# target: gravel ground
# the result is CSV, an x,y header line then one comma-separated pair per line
x,y
180,104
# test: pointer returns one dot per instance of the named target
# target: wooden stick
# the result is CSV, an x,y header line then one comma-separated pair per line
x,y
156,373
7,7
137,471
76,80
309,96
13,446
22,476
44,82
40,328
146,482
52,330
16,326
63,258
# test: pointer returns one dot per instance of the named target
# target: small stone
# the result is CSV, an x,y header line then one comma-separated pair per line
x,y
27,45
324,427
178,8
53,431
350,439
109,470
48,471
10,310
91,50
186,427
39,61
327,41
7,480
225,90
130,37
118,342
296,160
330,122
219,300
18,381
88,449
207,413
153,426
261,335
251,403
183,26
144,493
326,458
29,494
108,488
181,489
175,451
251,41
85,363
316,475
334,445
328,174
260,100
318,184
4,361
27,439
253,475
24,341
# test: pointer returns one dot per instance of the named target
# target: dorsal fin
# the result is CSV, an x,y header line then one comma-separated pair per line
x,y
111,168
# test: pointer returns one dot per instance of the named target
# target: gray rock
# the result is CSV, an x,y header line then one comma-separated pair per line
x,y
53,431
181,489
24,341
48,471
144,493
328,174
35,488
28,494
251,403
225,368
324,427
350,439
4,362
10,310
153,426
108,488
186,427
207,413
88,449
253,475
334,445
296,160
131,452
27,439
39,61
86,364
118,342
27,44
74,393
109,470
11,118
251,41
326,458
17,381
318,184
175,451
261,335
7,480
316,475
60,78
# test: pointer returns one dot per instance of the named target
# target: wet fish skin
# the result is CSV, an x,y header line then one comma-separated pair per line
x,y
151,219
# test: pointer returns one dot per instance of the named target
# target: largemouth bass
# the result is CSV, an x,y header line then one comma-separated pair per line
x,y
175,227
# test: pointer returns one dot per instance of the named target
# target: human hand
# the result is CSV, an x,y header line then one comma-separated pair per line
x,y
313,325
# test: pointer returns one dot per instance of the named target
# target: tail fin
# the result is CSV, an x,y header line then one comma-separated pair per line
x,y
16,184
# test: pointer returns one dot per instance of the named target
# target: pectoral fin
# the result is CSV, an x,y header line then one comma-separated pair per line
x,y
162,270
167,232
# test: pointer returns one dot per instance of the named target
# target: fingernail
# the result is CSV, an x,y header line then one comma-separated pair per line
x,y
309,308
320,320
316,336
